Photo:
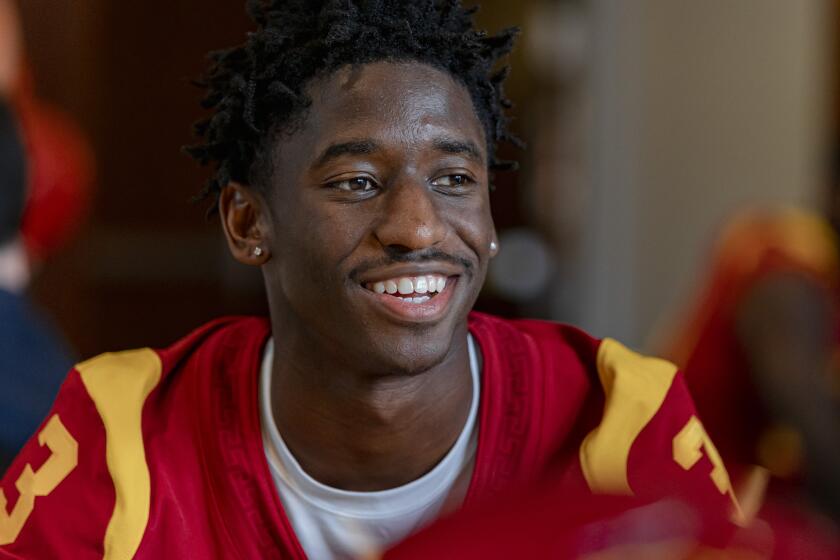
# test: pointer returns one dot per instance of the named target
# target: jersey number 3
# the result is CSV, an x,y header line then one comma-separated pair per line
x,y
31,484
690,445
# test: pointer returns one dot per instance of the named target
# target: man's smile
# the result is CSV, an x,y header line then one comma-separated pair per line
x,y
422,297
417,289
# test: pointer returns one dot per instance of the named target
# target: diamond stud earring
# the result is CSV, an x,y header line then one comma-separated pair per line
x,y
494,246
258,251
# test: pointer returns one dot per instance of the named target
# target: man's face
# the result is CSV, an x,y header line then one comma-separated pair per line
x,y
381,188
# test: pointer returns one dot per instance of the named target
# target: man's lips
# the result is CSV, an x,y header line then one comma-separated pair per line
x,y
412,292
410,304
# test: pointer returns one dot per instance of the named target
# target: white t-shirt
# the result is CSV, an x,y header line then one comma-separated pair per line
x,y
334,524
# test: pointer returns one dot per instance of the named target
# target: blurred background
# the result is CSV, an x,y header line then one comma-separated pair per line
x,y
651,125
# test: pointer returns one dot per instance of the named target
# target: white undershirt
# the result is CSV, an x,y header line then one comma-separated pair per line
x,y
335,524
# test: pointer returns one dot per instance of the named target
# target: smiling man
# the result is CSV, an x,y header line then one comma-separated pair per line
x,y
352,144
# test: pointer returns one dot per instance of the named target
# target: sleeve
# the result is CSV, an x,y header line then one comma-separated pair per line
x,y
651,443
57,496
81,487
674,456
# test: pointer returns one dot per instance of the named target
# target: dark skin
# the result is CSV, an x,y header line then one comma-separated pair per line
x,y
385,176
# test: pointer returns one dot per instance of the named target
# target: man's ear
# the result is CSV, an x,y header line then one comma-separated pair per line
x,y
245,222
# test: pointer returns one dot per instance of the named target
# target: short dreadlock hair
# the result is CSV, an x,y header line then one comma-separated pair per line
x,y
258,88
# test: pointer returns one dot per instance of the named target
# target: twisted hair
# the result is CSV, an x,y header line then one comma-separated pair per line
x,y
257,89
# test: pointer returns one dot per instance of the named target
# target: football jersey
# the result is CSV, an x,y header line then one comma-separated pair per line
x,y
154,454
756,245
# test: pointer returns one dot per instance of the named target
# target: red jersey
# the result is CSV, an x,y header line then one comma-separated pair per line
x,y
757,245
158,453
707,349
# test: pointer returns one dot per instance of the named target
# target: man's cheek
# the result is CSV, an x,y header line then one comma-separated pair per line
x,y
317,270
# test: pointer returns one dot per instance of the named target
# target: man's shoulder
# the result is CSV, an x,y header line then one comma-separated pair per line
x,y
114,376
562,351
220,338
561,354
638,427
118,419
559,346
119,382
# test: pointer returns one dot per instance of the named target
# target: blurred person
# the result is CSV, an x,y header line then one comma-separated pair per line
x,y
59,177
759,350
353,145
33,358
61,165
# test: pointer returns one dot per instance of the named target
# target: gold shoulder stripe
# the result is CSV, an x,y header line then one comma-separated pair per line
x,y
118,384
634,388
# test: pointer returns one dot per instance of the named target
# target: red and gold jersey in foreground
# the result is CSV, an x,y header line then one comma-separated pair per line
x,y
158,454
754,246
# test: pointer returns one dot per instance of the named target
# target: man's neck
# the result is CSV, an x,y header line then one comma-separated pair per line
x,y
354,431
14,267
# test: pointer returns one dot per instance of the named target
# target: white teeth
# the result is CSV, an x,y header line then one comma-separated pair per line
x,y
405,286
431,281
421,285
421,299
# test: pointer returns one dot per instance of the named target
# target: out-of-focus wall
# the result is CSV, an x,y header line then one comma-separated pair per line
x,y
147,268
699,108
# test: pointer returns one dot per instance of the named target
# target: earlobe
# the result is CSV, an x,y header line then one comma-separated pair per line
x,y
242,213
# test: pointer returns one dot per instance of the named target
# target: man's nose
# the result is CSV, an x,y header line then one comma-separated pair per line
x,y
411,220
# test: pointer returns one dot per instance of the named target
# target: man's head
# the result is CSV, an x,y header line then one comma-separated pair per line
x,y
12,175
353,142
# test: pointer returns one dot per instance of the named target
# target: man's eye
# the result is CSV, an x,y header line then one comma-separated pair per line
x,y
356,184
456,180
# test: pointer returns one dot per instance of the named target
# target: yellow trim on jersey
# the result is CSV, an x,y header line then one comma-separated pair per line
x,y
689,446
118,384
64,456
634,388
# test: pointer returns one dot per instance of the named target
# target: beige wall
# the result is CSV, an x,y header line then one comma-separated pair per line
x,y
700,107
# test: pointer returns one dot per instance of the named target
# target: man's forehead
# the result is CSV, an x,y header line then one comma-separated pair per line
x,y
442,143
393,98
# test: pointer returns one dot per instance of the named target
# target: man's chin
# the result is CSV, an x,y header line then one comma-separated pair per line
x,y
413,353
420,364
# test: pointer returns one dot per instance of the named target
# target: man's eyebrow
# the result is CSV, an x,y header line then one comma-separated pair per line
x,y
462,147
351,147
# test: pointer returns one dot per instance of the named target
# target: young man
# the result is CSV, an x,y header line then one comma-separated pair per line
x,y
353,143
